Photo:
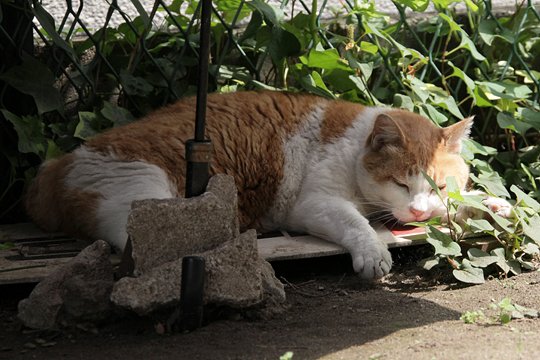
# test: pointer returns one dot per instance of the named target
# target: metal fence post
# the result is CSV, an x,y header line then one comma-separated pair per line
x,y
199,150
198,156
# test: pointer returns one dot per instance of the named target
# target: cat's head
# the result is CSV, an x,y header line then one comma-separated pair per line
x,y
400,149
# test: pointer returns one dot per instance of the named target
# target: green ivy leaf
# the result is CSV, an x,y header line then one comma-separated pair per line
x,y
403,102
443,243
53,150
283,44
531,117
528,248
466,42
525,199
474,201
492,182
463,76
47,22
532,228
430,262
480,97
453,190
501,259
481,259
487,29
35,79
420,89
254,25
117,115
443,4
135,85
480,226
309,83
369,47
507,121
271,13
327,59
435,115
29,131
469,274
86,127
505,90
416,5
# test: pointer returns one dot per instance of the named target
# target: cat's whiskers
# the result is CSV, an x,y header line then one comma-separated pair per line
x,y
381,215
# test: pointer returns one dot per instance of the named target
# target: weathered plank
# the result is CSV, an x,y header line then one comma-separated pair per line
x,y
26,271
36,253
288,247
24,231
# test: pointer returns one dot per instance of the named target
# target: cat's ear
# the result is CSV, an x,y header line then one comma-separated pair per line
x,y
455,134
385,132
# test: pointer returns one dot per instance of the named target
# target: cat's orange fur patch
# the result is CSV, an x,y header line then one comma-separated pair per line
x,y
338,117
415,153
50,203
445,163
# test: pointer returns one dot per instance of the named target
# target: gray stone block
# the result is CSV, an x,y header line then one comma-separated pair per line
x,y
79,290
233,278
233,273
166,230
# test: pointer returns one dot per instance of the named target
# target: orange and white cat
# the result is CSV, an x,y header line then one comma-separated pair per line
x,y
300,162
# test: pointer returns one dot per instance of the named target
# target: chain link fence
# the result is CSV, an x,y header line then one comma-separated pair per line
x,y
63,79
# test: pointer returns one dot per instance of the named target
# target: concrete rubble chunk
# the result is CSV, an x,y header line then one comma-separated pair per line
x,y
168,229
234,278
206,226
233,274
79,290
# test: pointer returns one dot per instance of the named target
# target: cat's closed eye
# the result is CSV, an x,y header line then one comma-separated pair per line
x,y
400,184
441,187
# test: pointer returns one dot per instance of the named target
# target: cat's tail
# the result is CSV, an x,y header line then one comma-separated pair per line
x,y
53,206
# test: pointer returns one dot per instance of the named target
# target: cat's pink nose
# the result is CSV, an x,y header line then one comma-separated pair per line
x,y
418,214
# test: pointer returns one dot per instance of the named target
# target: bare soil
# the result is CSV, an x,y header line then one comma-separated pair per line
x,y
331,314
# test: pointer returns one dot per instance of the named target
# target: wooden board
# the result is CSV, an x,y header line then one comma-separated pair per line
x,y
35,254
290,246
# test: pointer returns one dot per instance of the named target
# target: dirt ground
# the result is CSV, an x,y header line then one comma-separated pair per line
x,y
331,314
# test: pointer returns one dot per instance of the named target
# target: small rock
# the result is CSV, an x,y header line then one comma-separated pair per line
x,y
40,341
79,289
160,328
30,345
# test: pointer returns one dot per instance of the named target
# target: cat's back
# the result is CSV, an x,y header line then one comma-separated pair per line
x,y
265,112
243,127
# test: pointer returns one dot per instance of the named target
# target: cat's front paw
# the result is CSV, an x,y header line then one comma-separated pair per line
x,y
499,206
373,261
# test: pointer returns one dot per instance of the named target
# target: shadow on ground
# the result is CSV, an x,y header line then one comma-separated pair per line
x,y
330,309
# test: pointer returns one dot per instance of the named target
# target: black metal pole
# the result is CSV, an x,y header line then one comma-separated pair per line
x,y
204,60
191,293
199,150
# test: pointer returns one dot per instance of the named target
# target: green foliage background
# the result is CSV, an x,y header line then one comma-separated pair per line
x,y
446,65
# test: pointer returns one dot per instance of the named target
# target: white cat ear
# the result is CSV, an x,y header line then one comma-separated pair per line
x,y
455,134
385,132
